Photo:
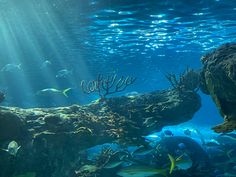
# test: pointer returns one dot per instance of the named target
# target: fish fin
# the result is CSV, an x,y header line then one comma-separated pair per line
x,y
6,150
200,136
18,148
132,154
173,163
180,157
64,92
229,153
230,137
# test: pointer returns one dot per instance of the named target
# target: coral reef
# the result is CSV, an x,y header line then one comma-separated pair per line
x,y
218,79
53,140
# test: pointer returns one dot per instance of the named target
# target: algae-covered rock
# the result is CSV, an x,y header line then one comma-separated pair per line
x,y
218,78
11,125
52,139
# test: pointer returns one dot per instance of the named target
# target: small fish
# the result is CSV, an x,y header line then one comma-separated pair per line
x,y
172,164
168,133
53,91
11,67
183,162
12,148
113,164
188,132
231,136
116,159
200,136
215,151
140,171
142,150
132,94
211,143
181,146
45,64
88,168
229,153
146,171
64,73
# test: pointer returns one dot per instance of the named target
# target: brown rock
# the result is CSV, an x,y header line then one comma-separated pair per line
x,y
218,78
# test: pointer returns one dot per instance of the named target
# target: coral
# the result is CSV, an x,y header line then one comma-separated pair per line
x,y
107,85
189,80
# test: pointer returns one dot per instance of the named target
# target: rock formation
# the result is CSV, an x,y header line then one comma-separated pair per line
x,y
218,79
52,139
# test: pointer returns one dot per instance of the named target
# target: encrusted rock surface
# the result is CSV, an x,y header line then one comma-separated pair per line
x,y
218,78
53,139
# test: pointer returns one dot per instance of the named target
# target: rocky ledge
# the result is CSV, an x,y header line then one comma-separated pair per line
x,y
52,139
218,79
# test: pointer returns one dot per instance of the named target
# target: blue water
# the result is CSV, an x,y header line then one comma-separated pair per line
x,y
56,44
144,39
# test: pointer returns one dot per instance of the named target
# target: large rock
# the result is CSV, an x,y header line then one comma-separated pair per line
x,y
53,139
218,78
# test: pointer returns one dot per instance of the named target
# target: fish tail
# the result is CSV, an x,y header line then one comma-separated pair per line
x,y
19,66
18,148
173,163
65,92
200,135
229,153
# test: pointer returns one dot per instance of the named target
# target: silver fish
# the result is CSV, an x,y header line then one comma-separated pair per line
x,y
142,150
45,64
53,91
11,67
113,164
140,171
12,148
64,73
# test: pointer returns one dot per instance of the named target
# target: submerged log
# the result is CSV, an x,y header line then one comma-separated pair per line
x,y
51,139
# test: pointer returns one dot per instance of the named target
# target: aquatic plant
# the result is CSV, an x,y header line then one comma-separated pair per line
x,y
188,80
106,85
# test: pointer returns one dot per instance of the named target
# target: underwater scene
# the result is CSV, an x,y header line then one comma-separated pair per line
x,y
117,88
